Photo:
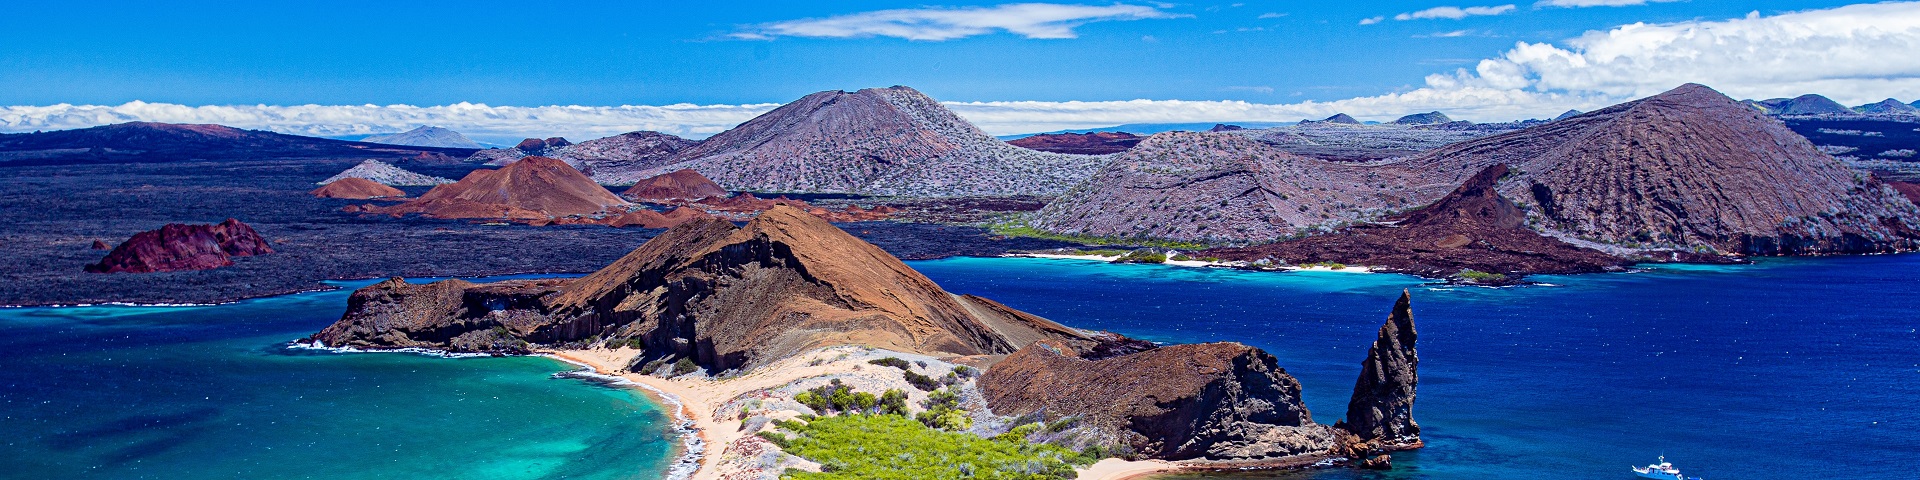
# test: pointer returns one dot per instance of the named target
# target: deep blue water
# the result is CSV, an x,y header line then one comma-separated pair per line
x,y
1788,369
1785,369
212,392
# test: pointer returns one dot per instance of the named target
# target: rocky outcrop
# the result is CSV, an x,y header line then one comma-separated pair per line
x,y
675,185
425,136
1222,187
1380,414
1096,143
877,141
532,147
530,189
623,158
1473,228
1215,401
1909,190
356,188
1429,118
177,247
386,174
1685,169
727,297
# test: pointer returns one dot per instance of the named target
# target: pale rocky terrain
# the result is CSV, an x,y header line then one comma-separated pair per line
x,y
386,174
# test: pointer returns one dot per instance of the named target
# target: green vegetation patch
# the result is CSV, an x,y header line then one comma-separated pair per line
x,y
1143,256
895,447
1016,227
1477,276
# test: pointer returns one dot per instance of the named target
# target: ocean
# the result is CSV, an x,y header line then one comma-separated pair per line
x,y
213,392
1784,369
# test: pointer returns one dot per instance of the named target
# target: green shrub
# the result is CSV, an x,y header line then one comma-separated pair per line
x,y
894,447
1181,257
891,362
922,382
1143,256
893,402
1476,276
684,366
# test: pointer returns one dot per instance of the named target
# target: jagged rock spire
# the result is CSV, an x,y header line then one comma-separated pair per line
x,y
1381,411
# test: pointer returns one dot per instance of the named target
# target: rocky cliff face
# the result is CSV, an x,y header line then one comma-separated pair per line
x,y
1381,410
881,141
533,188
1686,168
386,174
357,189
1097,143
675,185
1220,187
1472,228
1217,401
176,247
727,297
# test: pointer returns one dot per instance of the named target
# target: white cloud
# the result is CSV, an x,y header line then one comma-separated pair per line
x,y
1454,13
1268,15
1452,34
482,122
1030,20
1596,3
1371,20
1853,54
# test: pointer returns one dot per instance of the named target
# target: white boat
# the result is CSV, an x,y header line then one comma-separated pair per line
x,y
1661,471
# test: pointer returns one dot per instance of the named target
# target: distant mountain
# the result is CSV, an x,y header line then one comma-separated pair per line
x,y
1429,118
425,136
1101,143
616,160
1568,114
1225,128
877,141
1341,118
167,142
1888,107
386,174
1809,104
1220,187
1686,168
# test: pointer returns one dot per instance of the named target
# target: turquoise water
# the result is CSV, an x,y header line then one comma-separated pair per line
x,y
1787,369
212,392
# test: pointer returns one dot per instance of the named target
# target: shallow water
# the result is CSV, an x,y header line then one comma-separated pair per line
x,y
1768,371
213,392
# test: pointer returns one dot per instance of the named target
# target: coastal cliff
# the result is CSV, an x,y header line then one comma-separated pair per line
x,y
1217,401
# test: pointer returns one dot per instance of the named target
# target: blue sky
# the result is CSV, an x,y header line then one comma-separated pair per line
x,y
199,53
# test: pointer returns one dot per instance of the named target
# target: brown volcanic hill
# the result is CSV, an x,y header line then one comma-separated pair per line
x,y
1472,228
727,297
1220,187
1220,401
1685,168
878,141
1096,143
533,188
1381,409
616,160
167,142
675,185
356,188
176,247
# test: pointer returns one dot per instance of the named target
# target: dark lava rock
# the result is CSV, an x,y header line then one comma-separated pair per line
x,y
1909,190
146,142
1097,143
1221,127
1217,401
1473,228
176,247
1381,410
101,245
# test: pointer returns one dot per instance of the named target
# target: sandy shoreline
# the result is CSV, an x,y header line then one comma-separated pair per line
x,y
701,402
1193,263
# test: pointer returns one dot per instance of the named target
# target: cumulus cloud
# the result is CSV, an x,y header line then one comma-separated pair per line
x,y
1853,54
1030,20
1596,3
1454,13
503,124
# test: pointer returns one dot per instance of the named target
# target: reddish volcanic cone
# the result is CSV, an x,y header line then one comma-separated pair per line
x,y
355,188
684,184
177,247
532,188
